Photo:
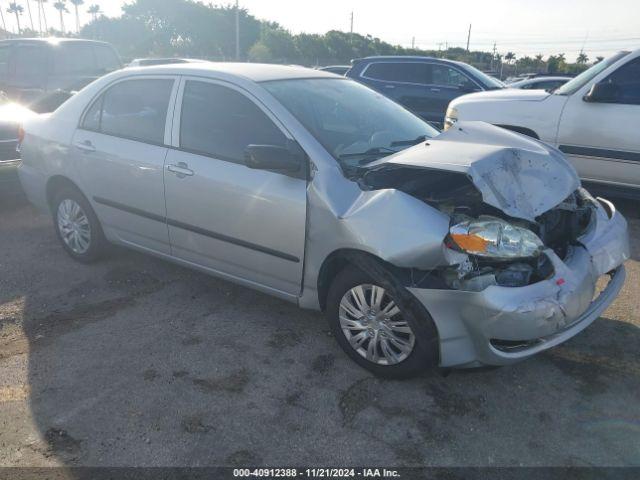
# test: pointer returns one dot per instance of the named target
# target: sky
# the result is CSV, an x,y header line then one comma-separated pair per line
x,y
525,27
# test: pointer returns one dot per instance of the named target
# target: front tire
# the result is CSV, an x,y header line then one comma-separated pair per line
x,y
377,329
77,226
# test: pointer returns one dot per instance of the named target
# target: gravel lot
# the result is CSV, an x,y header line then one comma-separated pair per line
x,y
134,361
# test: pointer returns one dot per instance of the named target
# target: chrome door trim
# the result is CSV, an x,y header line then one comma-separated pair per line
x,y
198,230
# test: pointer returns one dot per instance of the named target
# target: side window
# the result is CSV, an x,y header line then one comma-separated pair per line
x,y
133,109
408,72
106,58
29,65
627,82
73,59
221,122
4,63
450,77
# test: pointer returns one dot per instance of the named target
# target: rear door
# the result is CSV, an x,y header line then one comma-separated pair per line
x,y
602,139
246,224
119,150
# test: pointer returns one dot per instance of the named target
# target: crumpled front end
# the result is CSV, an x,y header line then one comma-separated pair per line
x,y
499,325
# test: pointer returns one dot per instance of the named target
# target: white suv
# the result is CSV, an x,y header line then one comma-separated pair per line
x,y
594,119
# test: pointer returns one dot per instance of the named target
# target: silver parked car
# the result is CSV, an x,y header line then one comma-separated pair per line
x,y
473,247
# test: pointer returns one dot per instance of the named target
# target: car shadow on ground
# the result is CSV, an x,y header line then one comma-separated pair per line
x,y
133,361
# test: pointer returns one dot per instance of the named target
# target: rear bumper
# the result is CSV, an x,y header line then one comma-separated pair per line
x,y
34,186
502,325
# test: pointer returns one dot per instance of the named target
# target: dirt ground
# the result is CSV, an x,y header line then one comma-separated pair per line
x,y
134,361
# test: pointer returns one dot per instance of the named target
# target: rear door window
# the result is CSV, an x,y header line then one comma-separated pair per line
x,y
404,72
132,109
4,63
29,65
74,59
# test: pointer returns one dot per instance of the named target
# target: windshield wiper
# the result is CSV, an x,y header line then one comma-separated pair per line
x,y
404,143
369,153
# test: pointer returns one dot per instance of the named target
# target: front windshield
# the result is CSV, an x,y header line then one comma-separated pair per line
x,y
491,83
588,75
354,123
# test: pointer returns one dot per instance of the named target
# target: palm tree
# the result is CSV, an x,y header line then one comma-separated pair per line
x,y
94,10
582,58
61,6
4,25
76,4
30,17
17,9
42,16
509,57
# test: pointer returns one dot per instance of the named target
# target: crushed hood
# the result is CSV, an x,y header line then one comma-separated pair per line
x,y
521,176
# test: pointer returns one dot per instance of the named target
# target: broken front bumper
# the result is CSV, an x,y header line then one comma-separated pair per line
x,y
501,325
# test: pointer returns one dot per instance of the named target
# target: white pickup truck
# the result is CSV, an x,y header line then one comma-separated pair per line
x,y
594,119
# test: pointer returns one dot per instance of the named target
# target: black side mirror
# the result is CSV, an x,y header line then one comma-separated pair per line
x,y
272,157
603,92
468,89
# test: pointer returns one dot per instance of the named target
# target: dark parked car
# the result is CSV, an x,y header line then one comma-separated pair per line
x,y
424,85
37,76
31,69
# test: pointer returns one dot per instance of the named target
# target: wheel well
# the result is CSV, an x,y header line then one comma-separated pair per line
x,y
334,264
57,183
523,130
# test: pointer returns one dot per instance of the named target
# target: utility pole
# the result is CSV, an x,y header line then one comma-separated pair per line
x,y
413,43
237,31
351,29
469,37
493,57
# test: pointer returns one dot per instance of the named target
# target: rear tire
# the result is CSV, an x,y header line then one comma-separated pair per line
x,y
77,226
386,320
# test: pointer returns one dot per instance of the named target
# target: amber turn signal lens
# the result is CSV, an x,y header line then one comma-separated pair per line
x,y
470,243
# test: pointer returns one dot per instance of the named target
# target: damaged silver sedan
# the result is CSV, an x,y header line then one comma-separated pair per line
x,y
472,247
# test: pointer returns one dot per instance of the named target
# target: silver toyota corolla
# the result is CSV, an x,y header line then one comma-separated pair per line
x,y
472,247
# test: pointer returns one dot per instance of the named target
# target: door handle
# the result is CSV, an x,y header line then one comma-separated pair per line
x,y
85,146
181,170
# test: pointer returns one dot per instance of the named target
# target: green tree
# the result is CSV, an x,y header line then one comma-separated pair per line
x,y
582,59
17,10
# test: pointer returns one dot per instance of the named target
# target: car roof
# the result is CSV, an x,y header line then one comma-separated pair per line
x,y
257,72
408,58
51,41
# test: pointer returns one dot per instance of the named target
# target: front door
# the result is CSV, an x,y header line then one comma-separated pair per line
x,y
601,138
246,224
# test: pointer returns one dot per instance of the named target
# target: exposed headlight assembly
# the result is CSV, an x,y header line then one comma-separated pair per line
x,y
495,238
